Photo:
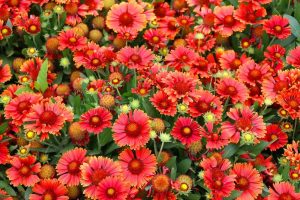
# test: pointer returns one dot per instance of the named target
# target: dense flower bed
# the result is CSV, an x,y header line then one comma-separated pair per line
x,y
187,99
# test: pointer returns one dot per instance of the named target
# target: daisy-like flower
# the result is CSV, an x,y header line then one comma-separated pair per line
x,y
135,58
275,135
132,129
47,117
248,181
164,105
138,166
225,22
155,38
205,3
208,18
32,25
273,86
201,41
93,61
252,73
206,102
275,52
231,61
244,120
5,30
186,130
180,85
49,189
248,13
293,57
23,171
215,139
96,120
70,40
129,15
283,190
4,151
18,108
68,166
169,27
94,170
231,88
290,101
180,57
113,188
5,73
278,26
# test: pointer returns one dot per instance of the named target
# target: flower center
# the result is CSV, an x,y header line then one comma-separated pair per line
x,y
243,124
255,74
33,28
286,196
155,39
111,192
293,103
164,104
135,166
136,58
203,107
72,39
184,187
48,117
25,170
280,85
143,91
209,19
217,184
231,90
229,20
236,63
13,2
278,29
215,137
181,88
274,137
172,26
186,131
73,167
49,196
277,55
95,61
184,58
132,129
242,183
4,31
126,19
23,106
71,8
95,120
98,176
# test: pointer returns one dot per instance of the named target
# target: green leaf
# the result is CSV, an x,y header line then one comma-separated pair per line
x,y
105,137
7,188
184,165
295,26
297,11
27,193
230,150
23,89
194,197
3,127
41,82
257,149
233,195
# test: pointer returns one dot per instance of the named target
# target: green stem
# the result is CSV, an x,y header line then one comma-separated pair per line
x,y
160,150
295,127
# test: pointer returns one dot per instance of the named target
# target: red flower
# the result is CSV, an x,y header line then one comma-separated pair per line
x,y
138,167
283,190
113,188
186,130
132,129
4,151
290,101
276,136
96,120
278,26
5,72
68,166
49,189
164,105
293,57
32,25
248,181
23,171
249,13
69,39
180,57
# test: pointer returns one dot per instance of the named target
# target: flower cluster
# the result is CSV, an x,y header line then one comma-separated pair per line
x,y
162,100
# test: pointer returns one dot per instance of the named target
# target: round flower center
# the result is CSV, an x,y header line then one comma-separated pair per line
x,y
132,129
218,184
243,124
111,192
274,137
30,134
236,63
24,170
229,20
186,131
23,106
181,88
278,29
24,79
215,137
245,44
295,175
13,2
242,183
95,120
172,26
135,166
48,117
73,167
164,104
277,55
98,176
209,19
184,187
203,107
143,91
72,39
155,39
135,58
71,8
95,61
255,74
161,183
293,103
286,196
184,21
126,19
33,28
4,31
230,90
49,196
280,85
115,81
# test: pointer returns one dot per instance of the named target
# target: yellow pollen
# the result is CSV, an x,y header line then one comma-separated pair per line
x,y
184,187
